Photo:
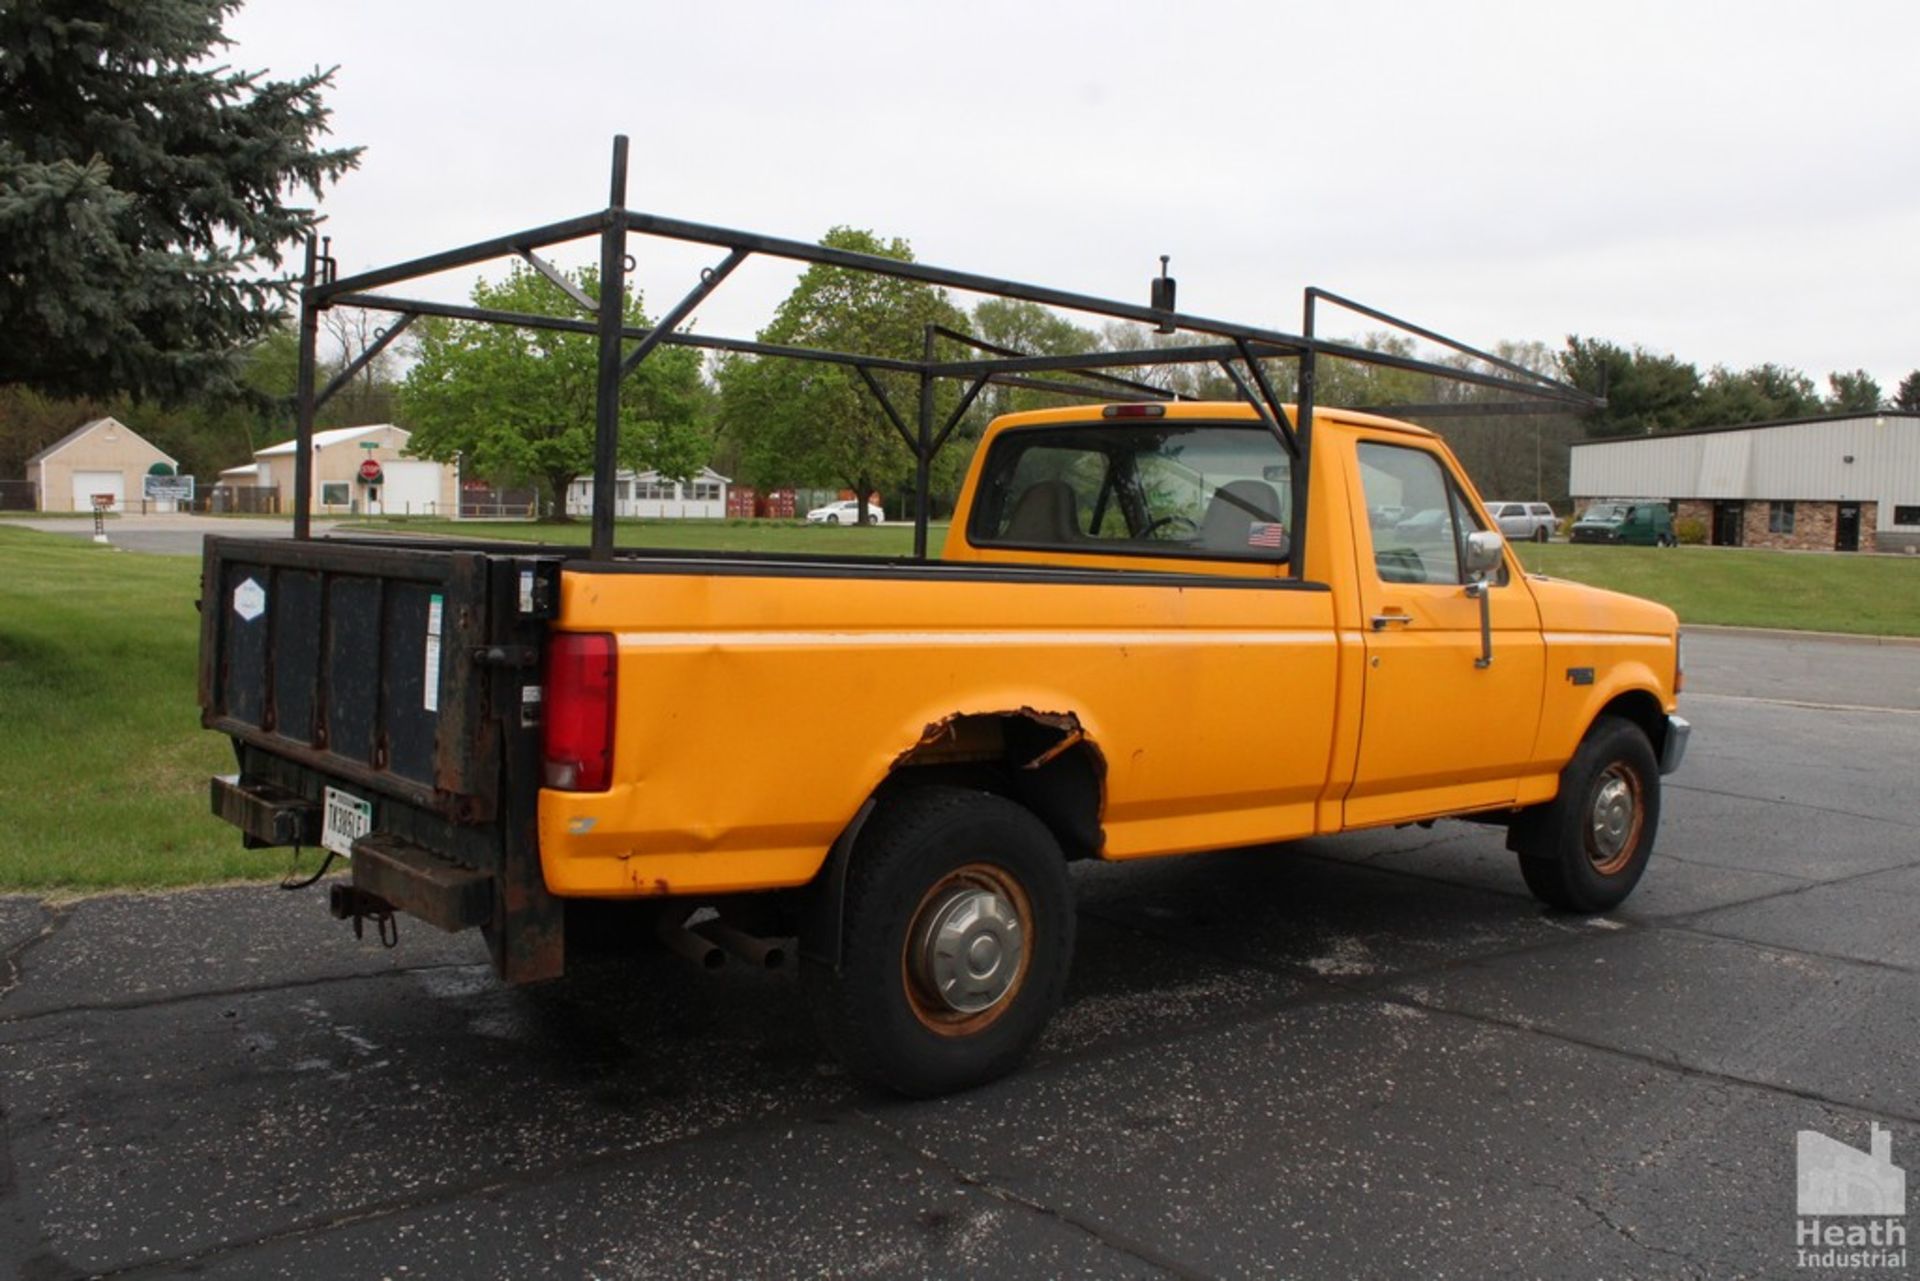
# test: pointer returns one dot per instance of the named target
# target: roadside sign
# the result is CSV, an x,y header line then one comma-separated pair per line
x,y
370,471
168,489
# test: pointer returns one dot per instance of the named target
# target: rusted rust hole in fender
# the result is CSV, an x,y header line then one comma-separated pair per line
x,y
980,736
1046,760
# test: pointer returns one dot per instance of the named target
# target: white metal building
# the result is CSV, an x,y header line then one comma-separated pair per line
x,y
649,495
1836,484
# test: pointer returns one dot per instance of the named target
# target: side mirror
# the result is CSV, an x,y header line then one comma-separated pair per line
x,y
1483,558
1483,552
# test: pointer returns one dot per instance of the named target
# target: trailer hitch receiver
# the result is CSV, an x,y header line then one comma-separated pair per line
x,y
348,902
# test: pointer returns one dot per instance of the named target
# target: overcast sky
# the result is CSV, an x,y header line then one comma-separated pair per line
x,y
1732,183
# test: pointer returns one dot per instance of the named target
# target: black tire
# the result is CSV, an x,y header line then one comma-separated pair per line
x,y
922,849
1540,535
832,519
1566,862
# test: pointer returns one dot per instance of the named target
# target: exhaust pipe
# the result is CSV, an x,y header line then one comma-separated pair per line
x,y
765,954
681,941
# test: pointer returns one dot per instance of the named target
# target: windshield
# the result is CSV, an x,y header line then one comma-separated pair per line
x,y
1605,514
1156,489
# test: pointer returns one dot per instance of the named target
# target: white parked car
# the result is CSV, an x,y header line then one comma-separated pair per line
x,y
1524,522
846,512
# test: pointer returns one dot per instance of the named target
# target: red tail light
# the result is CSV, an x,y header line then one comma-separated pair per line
x,y
581,671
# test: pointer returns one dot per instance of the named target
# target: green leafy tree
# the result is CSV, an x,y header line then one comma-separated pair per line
x,y
1646,391
1908,396
809,423
518,404
206,434
1509,455
1854,393
143,190
1031,330
1350,382
1760,394
1192,382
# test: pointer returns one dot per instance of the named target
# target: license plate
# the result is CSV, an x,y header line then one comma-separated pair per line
x,y
348,818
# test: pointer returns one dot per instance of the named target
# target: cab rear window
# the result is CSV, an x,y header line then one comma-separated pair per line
x,y
1160,489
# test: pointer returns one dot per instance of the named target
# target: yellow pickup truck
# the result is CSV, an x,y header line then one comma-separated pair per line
x,y
1113,659
1157,627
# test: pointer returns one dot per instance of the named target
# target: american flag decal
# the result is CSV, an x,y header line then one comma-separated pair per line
x,y
1266,534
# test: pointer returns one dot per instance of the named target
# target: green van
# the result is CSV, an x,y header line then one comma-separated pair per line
x,y
1644,522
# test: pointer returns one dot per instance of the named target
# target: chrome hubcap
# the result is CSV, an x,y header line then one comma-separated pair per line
x,y
968,948
1612,817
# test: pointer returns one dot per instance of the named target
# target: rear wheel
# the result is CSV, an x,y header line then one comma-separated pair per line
x,y
1585,850
1540,534
956,935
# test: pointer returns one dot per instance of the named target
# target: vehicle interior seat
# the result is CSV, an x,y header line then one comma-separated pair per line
x,y
1048,512
1236,507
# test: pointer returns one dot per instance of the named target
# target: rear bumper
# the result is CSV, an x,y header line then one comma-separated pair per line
x,y
1674,748
268,816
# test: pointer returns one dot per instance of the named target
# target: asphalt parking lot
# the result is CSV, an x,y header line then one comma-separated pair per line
x,y
173,534
1370,1056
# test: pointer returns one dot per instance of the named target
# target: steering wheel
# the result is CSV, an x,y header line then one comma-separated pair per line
x,y
1192,526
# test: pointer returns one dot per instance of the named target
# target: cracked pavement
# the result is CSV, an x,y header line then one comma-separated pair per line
x,y
1365,1056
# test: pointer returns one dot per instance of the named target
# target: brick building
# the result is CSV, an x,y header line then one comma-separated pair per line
x,y
1848,483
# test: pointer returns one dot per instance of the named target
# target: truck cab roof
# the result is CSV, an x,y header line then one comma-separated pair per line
x,y
1210,410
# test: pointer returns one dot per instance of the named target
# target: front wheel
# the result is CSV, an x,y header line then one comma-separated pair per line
x,y
956,935
832,519
1586,849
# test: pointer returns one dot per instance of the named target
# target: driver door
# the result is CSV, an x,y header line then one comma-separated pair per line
x,y
1440,731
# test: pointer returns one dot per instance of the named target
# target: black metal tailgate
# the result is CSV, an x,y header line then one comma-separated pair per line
x,y
357,661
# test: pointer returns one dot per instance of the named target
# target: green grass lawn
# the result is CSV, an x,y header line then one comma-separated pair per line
x,y
894,539
103,764
1745,587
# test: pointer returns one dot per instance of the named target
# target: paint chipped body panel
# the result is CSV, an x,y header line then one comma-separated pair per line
x,y
753,747
1227,702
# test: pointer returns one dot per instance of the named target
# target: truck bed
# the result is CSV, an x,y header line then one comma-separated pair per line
x,y
406,676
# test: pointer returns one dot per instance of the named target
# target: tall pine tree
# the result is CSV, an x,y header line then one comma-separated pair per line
x,y
146,196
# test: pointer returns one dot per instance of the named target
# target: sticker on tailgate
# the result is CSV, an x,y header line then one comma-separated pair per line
x,y
347,819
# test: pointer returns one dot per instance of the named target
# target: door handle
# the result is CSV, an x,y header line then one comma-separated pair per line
x,y
1380,621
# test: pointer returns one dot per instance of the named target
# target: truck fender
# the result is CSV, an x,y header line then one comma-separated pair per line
x,y
1053,768
824,904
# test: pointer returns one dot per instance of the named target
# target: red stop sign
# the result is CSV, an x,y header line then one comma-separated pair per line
x,y
370,471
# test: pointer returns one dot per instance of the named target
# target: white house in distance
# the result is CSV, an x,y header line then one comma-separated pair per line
x,y
649,495
104,456
401,486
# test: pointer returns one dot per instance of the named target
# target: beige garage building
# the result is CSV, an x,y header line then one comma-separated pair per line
x,y
104,456
406,486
